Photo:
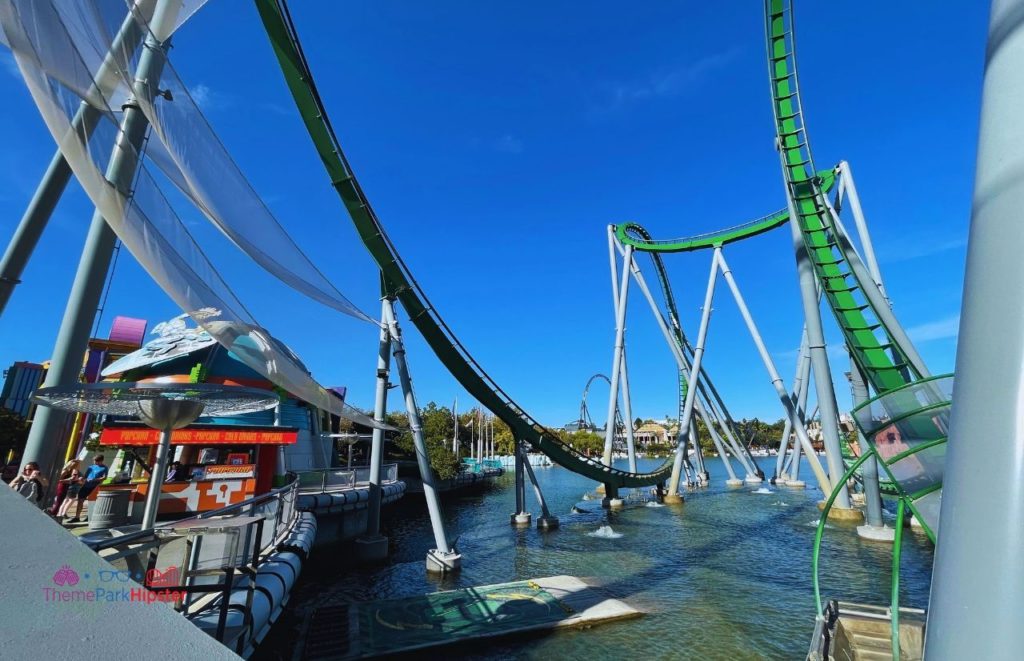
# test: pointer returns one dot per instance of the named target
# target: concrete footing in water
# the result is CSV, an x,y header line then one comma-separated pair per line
x,y
371,549
753,479
520,520
612,503
673,499
443,563
734,483
795,484
877,533
843,514
547,522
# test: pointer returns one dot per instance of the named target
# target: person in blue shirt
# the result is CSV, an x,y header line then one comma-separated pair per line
x,y
92,478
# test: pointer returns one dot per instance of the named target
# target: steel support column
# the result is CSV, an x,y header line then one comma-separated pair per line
x,y
58,173
691,393
978,576
627,410
44,442
780,388
869,469
824,389
787,429
443,558
620,338
380,403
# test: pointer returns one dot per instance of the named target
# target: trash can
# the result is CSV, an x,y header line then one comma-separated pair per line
x,y
109,509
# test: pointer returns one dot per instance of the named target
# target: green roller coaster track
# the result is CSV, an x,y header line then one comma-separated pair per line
x,y
636,236
876,352
400,281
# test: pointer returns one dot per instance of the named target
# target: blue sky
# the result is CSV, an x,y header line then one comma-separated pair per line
x,y
497,142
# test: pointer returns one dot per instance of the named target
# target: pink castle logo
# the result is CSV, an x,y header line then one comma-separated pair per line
x,y
65,576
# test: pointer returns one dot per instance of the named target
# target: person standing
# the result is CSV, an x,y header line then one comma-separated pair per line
x,y
69,474
92,478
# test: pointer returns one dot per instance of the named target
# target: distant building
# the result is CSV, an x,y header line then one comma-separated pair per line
x,y
20,380
649,433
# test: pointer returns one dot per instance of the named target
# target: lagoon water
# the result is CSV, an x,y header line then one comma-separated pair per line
x,y
727,575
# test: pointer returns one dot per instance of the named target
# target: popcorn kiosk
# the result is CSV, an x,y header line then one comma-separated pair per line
x,y
213,465
216,461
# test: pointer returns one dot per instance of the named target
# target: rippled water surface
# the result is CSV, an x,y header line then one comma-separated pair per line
x,y
727,575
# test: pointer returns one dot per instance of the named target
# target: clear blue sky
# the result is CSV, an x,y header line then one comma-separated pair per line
x,y
497,142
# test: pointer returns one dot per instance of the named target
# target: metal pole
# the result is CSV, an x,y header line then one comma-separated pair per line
x,y
682,363
156,481
627,408
824,391
620,339
536,490
717,407
691,393
801,388
58,173
717,440
521,460
787,402
455,429
444,557
793,467
380,404
978,578
846,185
869,469
44,443
788,428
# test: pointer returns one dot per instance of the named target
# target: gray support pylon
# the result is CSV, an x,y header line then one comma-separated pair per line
x,y
801,413
681,363
455,428
824,390
978,577
869,469
58,173
713,423
736,447
416,425
717,440
521,461
691,393
847,186
780,388
620,338
801,387
44,443
698,453
780,458
536,488
717,406
627,410
380,403
156,481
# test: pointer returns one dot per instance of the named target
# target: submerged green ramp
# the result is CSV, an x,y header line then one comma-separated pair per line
x,y
399,279
380,628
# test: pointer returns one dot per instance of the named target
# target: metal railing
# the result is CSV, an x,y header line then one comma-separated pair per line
x,y
206,546
339,479
277,507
